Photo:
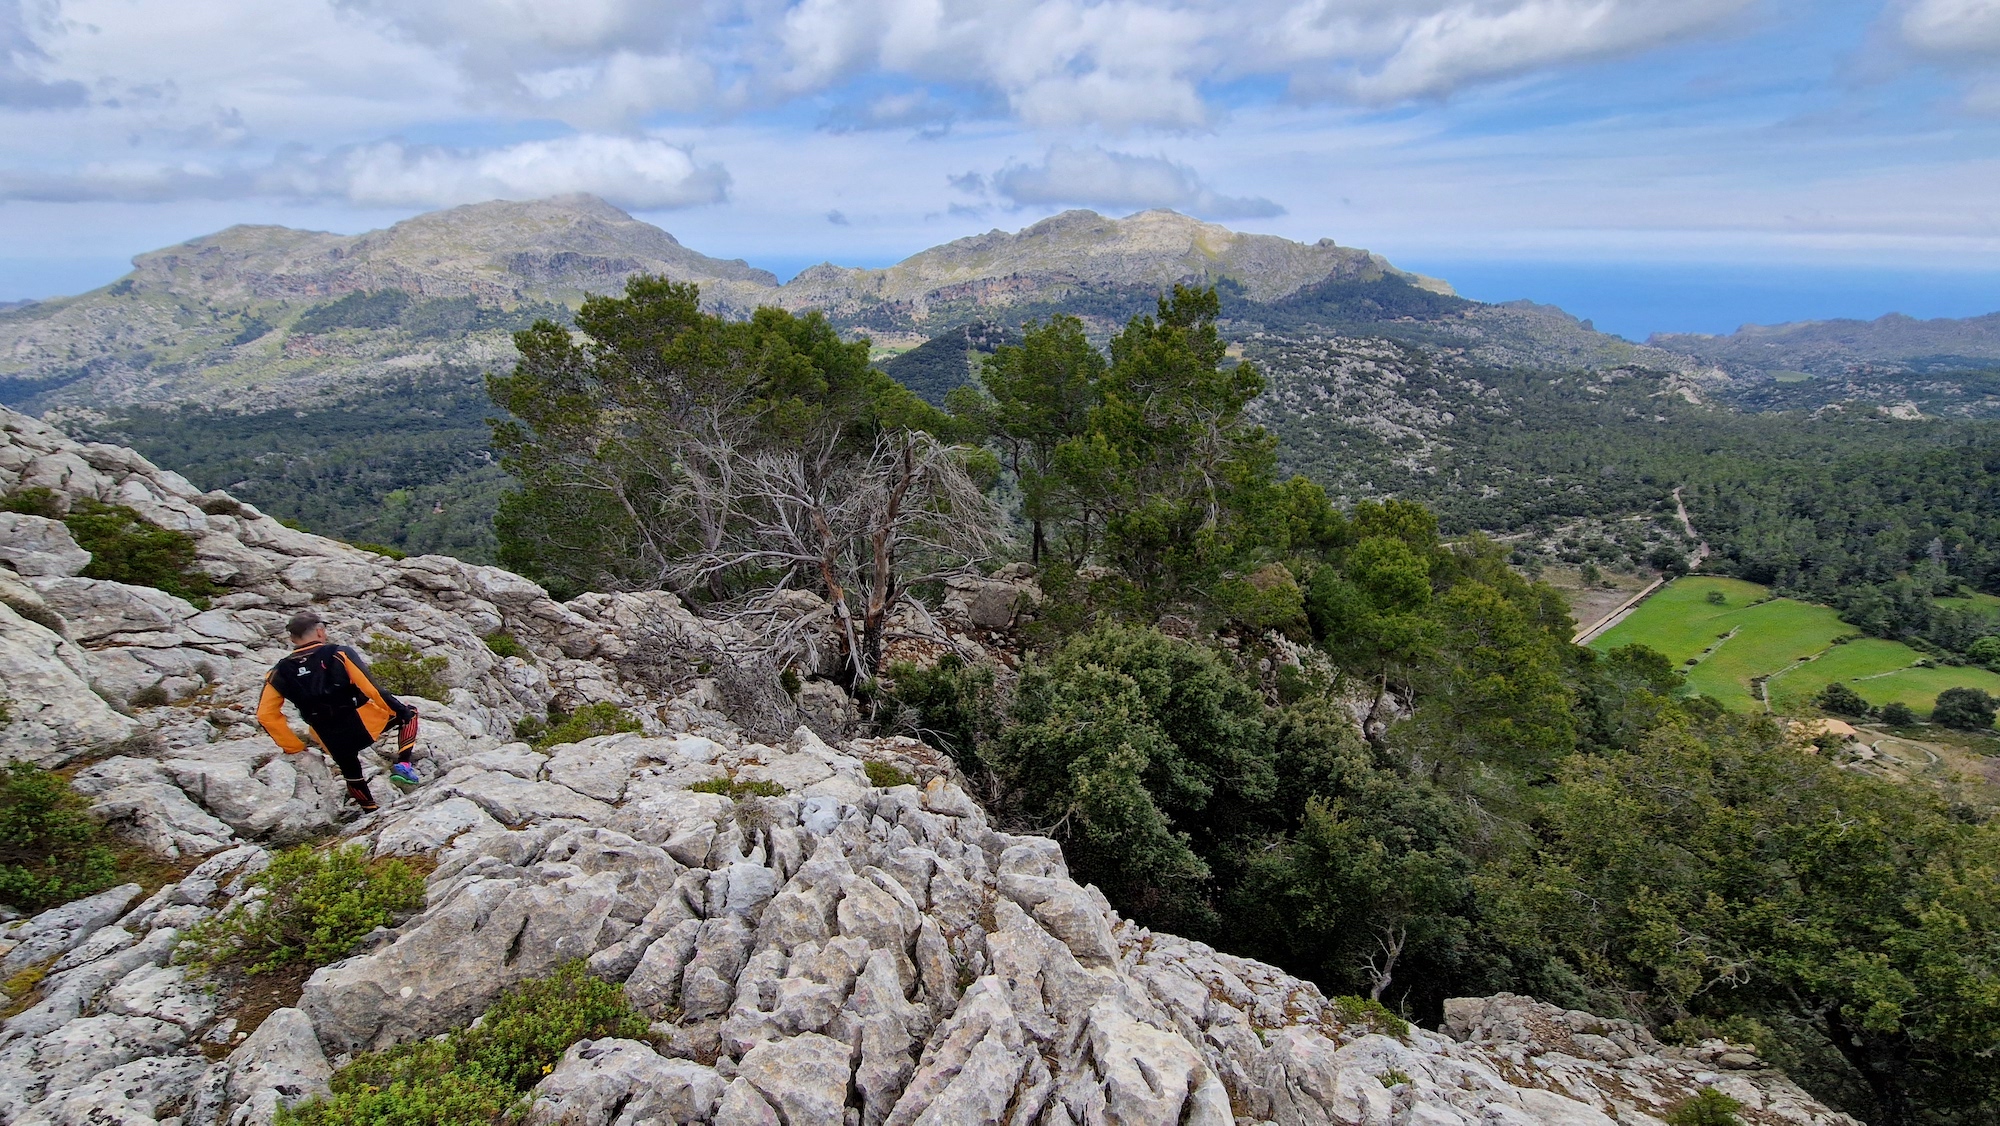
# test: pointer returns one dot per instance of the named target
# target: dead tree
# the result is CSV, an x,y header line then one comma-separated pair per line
x,y
861,527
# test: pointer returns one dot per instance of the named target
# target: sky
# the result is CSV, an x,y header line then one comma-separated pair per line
x,y
1656,165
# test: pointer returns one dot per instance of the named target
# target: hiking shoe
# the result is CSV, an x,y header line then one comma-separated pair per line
x,y
404,775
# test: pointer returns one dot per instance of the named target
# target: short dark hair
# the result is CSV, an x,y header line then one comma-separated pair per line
x,y
302,623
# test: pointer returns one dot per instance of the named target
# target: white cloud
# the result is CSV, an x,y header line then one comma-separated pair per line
x,y
1049,63
1101,178
1952,27
638,173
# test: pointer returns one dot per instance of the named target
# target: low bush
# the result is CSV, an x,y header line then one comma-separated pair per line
x,y
37,501
1899,715
384,549
570,727
1710,1108
50,850
883,775
504,644
479,1074
730,788
1371,1014
952,705
308,907
123,546
399,668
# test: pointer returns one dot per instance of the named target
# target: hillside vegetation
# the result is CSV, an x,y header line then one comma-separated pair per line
x,y
1362,752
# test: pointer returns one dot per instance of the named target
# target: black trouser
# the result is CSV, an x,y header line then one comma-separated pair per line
x,y
344,738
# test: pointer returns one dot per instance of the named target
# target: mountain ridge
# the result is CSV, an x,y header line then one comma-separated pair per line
x,y
217,317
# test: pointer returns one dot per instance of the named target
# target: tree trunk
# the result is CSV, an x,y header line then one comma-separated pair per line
x,y
1883,1064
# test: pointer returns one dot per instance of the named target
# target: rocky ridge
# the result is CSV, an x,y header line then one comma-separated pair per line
x,y
212,318
840,953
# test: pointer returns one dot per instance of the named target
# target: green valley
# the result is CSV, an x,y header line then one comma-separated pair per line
x,y
1753,651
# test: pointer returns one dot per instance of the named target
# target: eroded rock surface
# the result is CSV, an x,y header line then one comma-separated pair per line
x,y
837,954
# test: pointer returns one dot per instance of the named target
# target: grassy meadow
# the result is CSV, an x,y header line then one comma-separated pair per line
x,y
1748,635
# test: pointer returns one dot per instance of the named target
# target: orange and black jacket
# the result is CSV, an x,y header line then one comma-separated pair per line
x,y
330,686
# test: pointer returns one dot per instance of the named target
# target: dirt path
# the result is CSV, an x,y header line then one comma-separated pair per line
x,y
1700,545
1589,633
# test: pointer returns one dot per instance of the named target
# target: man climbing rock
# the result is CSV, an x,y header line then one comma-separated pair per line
x,y
330,686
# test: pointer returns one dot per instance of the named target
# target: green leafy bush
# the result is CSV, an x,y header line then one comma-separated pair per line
x,y
583,723
1370,1014
504,644
37,501
1710,1108
1839,699
399,668
314,907
384,549
1899,715
952,705
1968,709
884,775
123,546
50,851
475,1075
730,788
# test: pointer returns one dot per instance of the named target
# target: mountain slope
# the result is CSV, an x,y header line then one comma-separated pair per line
x,y
216,319
1841,347
820,950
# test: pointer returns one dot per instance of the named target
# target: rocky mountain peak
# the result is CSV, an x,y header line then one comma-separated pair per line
x,y
830,951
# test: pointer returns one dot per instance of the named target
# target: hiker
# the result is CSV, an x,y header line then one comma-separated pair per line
x,y
330,686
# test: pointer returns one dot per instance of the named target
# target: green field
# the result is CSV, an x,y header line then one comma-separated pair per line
x,y
1790,642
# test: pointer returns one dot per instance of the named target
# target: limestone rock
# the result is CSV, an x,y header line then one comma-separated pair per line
x,y
37,546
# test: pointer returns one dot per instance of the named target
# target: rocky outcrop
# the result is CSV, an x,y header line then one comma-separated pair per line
x,y
837,953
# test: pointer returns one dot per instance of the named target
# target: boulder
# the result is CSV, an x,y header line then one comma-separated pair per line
x,y
623,1083
52,713
39,547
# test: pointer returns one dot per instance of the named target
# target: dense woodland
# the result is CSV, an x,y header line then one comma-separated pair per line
x,y
1512,812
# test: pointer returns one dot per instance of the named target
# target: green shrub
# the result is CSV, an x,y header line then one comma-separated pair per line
x,y
314,908
1393,1077
475,1075
125,548
1839,699
1371,1014
383,549
583,723
1710,1108
1717,598
400,669
37,501
504,644
1967,709
952,706
885,776
50,850
1899,715
730,788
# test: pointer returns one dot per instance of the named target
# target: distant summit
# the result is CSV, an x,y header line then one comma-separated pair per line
x,y
1082,250
218,318
1841,347
550,249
